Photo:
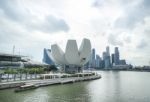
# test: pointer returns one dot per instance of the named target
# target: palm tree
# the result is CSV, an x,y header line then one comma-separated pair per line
x,y
0,77
26,73
7,71
14,72
20,70
31,71
1,73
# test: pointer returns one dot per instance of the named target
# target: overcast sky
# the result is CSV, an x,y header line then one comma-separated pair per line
x,y
32,25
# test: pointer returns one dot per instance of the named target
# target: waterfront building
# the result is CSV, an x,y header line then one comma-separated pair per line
x,y
102,64
104,59
10,60
104,55
116,56
90,61
122,62
107,51
46,57
107,62
122,67
112,59
72,60
93,58
98,60
17,61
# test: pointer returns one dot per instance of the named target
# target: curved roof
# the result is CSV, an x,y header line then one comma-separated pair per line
x,y
84,51
72,55
58,54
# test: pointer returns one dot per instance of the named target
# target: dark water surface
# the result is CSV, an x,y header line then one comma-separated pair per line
x,y
114,86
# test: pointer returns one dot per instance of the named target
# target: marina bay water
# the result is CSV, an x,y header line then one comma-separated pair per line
x,y
114,86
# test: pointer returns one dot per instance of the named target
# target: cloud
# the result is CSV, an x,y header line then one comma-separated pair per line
x,y
135,12
98,3
112,39
127,39
50,24
142,44
15,11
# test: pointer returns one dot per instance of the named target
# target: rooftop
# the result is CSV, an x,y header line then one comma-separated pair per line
x,y
11,55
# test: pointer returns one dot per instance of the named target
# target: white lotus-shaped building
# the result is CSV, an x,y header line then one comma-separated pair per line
x,y
72,55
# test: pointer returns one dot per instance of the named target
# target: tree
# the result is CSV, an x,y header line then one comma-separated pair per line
x,y
7,71
26,73
20,70
0,77
14,73
51,68
1,73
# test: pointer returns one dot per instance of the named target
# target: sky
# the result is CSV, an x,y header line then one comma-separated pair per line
x,y
32,25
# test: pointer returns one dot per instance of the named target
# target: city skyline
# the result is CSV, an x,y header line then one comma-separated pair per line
x,y
106,60
31,26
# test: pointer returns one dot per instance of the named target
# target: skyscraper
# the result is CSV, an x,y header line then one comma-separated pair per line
x,y
93,58
116,56
108,64
112,59
46,58
104,55
97,62
106,60
107,51
90,61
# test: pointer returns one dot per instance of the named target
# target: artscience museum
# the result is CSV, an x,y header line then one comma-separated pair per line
x,y
73,59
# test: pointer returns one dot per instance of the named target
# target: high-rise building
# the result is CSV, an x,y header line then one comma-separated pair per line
x,y
46,58
90,61
97,63
107,62
100,59
107,51
104,55
116,56
112,59
104,58
93,58
102,64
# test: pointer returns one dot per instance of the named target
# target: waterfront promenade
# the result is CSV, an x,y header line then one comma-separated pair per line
x,y
45,82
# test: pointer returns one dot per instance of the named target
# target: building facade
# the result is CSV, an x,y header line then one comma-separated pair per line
x,y
46,57
116,56
73,59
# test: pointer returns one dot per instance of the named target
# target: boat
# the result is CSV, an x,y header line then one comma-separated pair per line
x,y
26,87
